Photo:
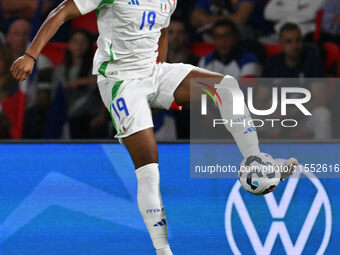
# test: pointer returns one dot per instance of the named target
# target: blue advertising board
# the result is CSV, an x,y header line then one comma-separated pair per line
x,y
66,199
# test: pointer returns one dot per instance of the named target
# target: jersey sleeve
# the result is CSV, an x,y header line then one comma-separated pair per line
x,y
86,6
173,8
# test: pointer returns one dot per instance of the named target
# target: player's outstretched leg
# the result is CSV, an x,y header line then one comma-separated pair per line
x,y
238,125
227,86
143,150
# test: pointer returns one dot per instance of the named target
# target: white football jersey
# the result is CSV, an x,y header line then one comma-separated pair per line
x,y
129,31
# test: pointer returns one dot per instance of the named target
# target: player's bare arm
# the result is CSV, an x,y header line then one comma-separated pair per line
x,y
163,46
23,66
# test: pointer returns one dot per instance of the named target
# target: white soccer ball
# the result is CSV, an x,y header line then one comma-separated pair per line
x,y
259,174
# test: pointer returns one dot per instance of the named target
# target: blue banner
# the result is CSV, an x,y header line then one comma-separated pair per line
x,y
81,199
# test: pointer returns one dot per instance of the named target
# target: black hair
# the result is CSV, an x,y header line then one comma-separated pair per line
x,y
227,23
289,27
87,57
176,19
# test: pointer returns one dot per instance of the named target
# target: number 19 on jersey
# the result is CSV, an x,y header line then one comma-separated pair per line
x,y
151,19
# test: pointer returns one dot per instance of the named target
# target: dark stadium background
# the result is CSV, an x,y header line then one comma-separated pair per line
x,y
63,191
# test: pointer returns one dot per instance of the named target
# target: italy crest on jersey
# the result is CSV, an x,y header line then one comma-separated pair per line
x,y
164,6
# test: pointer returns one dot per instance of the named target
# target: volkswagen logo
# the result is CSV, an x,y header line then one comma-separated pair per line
x,y
277,212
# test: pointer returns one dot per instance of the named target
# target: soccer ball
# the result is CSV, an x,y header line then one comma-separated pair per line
x,y
259,174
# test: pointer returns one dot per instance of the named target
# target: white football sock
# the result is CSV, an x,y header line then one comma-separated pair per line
x,y
151,207
244,134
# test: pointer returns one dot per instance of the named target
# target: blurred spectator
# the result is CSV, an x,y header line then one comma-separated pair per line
x,y
24,8
86,113
8,85
5,126
244,13
34,11
35,118
301,12
298,61
178,53
18,38
230,57
331,21
178,41
12,99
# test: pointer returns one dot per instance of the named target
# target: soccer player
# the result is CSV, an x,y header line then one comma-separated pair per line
x,y
133,78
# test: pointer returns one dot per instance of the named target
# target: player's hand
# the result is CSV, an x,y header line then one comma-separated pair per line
x,y
22,68
291,164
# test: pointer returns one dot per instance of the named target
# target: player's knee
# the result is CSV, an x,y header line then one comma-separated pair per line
x,y
229,82
146,159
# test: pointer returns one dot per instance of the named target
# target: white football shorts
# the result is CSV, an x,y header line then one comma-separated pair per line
x,y
130,101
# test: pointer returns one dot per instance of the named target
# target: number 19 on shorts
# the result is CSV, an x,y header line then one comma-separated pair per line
x,y
120,107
